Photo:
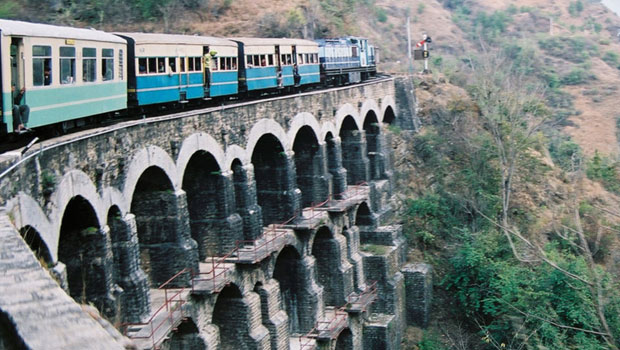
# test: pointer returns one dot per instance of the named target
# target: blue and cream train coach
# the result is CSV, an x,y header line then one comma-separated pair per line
x,y
176,68
277,63
67,73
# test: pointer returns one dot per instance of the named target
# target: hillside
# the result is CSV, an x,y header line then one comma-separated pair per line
x,y
511,189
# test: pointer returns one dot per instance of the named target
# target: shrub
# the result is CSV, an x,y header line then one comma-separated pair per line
x,y
573,49
381,14
577,76
604,170
421,8
612,58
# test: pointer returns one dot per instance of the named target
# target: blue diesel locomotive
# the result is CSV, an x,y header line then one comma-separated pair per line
x,y
70,76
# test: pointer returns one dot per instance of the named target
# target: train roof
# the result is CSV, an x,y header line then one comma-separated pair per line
x,y
27,29
156,38
275,41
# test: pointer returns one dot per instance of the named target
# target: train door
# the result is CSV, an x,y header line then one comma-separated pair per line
x,y
363,52
278,63
206,56
18,71
17,63
296,75
183,75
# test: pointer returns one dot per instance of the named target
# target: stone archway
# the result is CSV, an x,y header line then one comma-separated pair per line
x,y
344,340
372,131
274,171
310,167
289,273
33,238
239,320
389,116
163,231
214,226
363,215
354,155
327,253
84,248
186,336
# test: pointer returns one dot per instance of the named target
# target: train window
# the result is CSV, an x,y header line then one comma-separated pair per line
x,y
283,59
354,51
306,58
67,65
270,60
107,64
152,65
41,65
214,63
222,63
161,65
190,64
121,63
89,64
181,64
198,63
234,63
249,61
228,63
300,59
172,63
142,65
263,62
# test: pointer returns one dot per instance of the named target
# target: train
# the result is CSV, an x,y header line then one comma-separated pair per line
x,y
72,76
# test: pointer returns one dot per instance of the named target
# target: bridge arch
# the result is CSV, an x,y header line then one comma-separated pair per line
x,y
33,238
84,249
274,171
326,252
294,279
372,130
346,110
367,107
266,127
27,212
303,120
75,183
161,223
206,187
151,156
231,315
236,153
388,109
363,215
196,143
353,143
187,336
344,340
310,166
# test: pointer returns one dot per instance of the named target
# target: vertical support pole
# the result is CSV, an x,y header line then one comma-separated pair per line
x,y
425,49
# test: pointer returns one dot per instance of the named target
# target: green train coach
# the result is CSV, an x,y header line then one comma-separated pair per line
x,y
67,73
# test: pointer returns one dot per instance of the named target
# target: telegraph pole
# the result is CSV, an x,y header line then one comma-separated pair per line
x,y
409,58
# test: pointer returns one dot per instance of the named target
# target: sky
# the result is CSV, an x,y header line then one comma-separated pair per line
x,y
614,5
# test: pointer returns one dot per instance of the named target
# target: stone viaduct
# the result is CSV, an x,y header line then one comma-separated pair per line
x,y
257,225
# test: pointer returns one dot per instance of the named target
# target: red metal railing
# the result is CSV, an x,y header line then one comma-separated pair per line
x,y
365,298
306,341
331,325
218,269
172,303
